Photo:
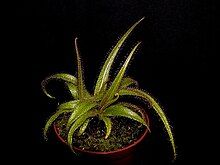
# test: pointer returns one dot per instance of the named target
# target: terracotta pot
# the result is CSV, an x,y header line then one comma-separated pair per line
x,y
120,156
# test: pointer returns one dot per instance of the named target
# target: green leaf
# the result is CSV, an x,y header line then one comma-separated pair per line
x,y
83,127
110,102
68,105
53,118
135,107
82,92
126,82
73,90
108,125
156,107
79,122
104,74
60,76
120,110
116,83
131,106
79,110
100,95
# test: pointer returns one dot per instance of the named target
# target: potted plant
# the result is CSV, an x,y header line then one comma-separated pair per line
x,y
103,124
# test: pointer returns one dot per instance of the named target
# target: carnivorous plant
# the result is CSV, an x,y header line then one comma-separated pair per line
x,y
103,101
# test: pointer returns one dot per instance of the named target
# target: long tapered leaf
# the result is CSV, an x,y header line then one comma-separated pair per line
x,y
82,92
73,90
68,105
79,110
127,81
53,118
108,125
131,106
134,107
156,107
100,95
83,127
79,72
116,83
120,110
79,122
104,74
60,76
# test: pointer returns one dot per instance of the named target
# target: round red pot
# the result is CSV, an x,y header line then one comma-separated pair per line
x,y
117,155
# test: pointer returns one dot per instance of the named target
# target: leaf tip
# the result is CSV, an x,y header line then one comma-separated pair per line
x,y
106,136
45,138
142,18
45,135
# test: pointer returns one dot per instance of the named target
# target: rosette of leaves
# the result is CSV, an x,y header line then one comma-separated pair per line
x,y
103,102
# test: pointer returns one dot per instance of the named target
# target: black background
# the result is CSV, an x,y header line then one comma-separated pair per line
x,y
172,64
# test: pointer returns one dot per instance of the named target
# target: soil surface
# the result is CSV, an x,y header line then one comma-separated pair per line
x,y
124,132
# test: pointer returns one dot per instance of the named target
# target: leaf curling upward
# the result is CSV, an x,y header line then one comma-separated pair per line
x,y
60,76
104,74
116,83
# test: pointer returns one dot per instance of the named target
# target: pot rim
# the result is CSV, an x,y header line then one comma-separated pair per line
x,y
107,152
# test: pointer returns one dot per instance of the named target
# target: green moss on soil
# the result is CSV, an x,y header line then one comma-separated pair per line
x,y
124,132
